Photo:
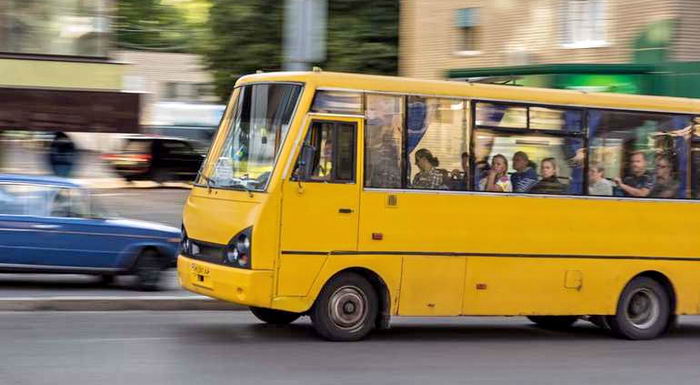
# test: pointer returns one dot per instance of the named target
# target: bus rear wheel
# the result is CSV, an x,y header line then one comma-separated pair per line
x,y
553,321
346,308
643,311
274,317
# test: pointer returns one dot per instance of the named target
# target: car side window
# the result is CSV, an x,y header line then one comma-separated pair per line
x,y
69,203
176,148
25,199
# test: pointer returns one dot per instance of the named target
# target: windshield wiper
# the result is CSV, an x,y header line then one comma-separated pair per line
x,y
209,181
245,187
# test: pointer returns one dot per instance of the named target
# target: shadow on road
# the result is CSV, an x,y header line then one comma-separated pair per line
x,y
429,332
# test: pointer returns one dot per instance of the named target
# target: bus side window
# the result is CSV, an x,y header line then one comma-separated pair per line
x,y
330,147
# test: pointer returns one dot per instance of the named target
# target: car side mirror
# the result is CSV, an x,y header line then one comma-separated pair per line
x,y
306,163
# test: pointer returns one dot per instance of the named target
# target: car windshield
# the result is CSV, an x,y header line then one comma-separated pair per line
x,y
259,123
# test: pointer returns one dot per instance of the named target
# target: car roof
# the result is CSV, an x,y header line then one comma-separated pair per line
x,y
158,137
40,179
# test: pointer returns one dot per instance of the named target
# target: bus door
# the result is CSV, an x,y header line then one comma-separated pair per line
x,y
320,202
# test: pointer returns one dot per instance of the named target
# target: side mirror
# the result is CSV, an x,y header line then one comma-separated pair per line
x,y
306,163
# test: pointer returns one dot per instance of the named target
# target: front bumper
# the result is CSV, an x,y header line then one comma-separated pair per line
x,y
241,286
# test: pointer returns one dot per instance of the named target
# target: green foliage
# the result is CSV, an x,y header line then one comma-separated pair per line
x,y
246,35
152,25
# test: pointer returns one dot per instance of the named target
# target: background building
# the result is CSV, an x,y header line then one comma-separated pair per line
x,y
641,46
167,80
56,73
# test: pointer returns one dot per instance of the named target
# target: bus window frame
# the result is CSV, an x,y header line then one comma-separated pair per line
x,y
471,126
334,135
582,134
220,143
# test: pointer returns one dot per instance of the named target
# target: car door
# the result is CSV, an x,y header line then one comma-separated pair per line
x,y
25,235
320,202
79,239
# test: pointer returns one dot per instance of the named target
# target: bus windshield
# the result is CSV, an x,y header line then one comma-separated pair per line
x,y
260,120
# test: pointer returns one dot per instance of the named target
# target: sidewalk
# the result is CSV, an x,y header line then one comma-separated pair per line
x,y
31,292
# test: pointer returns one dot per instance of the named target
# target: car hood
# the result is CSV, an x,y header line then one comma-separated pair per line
x,y
144,225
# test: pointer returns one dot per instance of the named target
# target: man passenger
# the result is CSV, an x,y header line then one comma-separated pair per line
x,y
525,175
640,182
460,179
597,184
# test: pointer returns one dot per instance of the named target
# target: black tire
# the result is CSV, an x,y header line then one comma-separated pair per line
x,y
553,321
148,270
106,279
274,317
161,176
346,308
643,310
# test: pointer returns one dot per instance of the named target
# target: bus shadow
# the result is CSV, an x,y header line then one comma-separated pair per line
x,y
303,331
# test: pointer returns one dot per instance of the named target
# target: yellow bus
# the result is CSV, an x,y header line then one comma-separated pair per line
x,y
353,198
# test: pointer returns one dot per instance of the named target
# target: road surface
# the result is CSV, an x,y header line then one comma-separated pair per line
x,y
172,348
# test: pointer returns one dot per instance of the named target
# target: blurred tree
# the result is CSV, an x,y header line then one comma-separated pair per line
x,y
247,36
363,36
155,26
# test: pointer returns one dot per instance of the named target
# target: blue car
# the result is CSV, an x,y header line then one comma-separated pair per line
x,y
52,225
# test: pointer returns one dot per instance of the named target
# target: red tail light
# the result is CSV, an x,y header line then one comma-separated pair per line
x,y
141,157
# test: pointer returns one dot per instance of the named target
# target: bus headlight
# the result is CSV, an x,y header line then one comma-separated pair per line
x,y
185,244
238,252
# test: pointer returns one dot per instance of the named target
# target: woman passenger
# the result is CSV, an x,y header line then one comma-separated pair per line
x,y
549,184
428,178
497,178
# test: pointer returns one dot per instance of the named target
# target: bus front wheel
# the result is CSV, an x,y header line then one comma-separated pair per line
x,y
553,322
643,310
274,317
346,308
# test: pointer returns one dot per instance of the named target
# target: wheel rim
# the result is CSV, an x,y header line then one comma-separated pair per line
x,y
643,309
348,308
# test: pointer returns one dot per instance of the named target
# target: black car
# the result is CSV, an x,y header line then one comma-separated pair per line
x,y
158,158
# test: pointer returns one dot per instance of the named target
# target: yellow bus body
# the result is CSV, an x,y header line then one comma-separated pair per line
x,y
444,253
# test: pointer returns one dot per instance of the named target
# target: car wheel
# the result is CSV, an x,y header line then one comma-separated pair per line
x,y
161,176
346,308
106,279
643,310
148,270
553,322
274,317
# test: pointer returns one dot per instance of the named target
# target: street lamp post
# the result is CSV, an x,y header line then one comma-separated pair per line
x,y
304,33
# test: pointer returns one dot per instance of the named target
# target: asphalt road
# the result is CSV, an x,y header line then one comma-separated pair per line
x,y
233,348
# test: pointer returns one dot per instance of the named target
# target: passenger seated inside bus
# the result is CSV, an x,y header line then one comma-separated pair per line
x,y
665,185
459,180
496,180
597,184
640,181
429,177
549,184
525,175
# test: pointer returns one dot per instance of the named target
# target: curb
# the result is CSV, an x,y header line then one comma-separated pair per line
x,y
115,304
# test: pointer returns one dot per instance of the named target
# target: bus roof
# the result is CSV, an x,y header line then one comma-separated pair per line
x,y
393,84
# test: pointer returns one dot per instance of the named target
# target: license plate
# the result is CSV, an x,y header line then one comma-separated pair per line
x,y
199,269
200,276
